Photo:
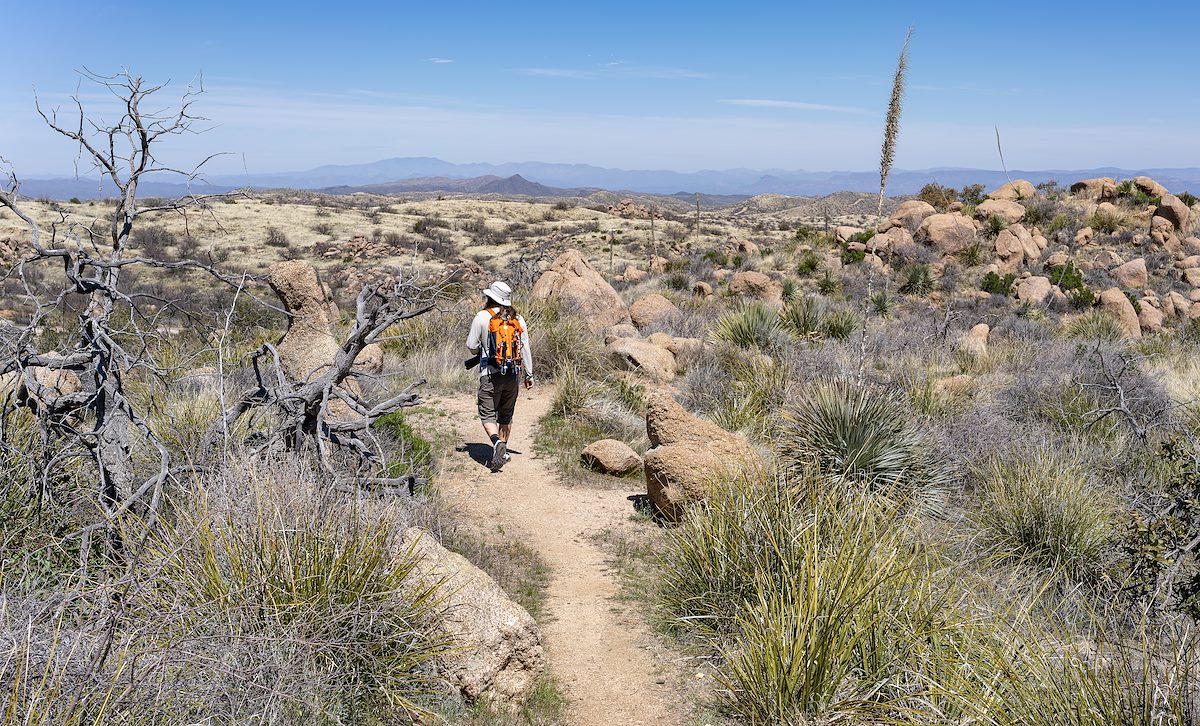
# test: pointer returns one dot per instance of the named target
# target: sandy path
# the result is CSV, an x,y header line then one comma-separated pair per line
x,y
600,656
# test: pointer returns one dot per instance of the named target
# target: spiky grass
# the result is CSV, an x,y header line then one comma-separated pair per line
x,y
1047,510
753,325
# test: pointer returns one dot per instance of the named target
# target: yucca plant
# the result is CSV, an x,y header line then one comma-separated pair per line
x,y
841,323
801,317
753,325
862,436
1046,509
918,281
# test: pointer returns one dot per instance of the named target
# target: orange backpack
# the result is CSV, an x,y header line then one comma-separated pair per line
x,y
504,341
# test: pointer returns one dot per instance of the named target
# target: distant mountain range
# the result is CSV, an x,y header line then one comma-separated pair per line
x,y
412,174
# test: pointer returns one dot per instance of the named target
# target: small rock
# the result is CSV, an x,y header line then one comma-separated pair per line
x,y
610,456
1114,303
1132,274
975,342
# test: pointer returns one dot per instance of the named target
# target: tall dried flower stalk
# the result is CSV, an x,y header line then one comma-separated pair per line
x,y
891,130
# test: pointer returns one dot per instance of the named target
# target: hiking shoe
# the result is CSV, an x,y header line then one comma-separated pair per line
x,y
499,455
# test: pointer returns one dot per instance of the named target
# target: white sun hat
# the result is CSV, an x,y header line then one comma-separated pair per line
x,y
500,292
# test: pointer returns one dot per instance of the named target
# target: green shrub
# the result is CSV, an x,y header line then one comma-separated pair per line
x,y
850,256
677,281
790,288
862,436
1066,276
972,256
753,325
808,264
560,342
1188,198
1128,192
1046,510
1082,298
972,194
416,455
882,303
801,317
918,281
841,323
937,195
997,285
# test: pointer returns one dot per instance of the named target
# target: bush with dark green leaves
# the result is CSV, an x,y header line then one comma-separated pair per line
x,y
998,284
918,281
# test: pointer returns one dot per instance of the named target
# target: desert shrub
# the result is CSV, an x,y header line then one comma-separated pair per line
x,y
1082,298
1044,508
862,437
790,288
753,397
808,264
841,323
752,325
414,455
1188,198
315,601
152,237
972,194
801,317
1106,222
822,604
561,341
882,303
997,284
918,281
677,281
323,228
849,256
1128,192
1094,325
276,238
1066,276
829,284
937,195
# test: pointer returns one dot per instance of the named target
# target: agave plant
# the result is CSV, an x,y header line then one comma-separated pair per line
x,y
861,436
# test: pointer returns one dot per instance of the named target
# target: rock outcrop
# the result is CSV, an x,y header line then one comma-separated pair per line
x,y
1103,188
1132,274
497,654
1010,211
690,455
909,216
610,456
308,348
573,284
1172,209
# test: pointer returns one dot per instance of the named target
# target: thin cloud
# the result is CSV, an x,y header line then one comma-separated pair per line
x,y
792,105
438,61
616,69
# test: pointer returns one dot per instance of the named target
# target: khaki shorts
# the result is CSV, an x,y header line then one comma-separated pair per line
x,y
498,398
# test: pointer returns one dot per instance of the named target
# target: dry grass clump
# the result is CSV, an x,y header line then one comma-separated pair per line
x,y
1043,507
256,600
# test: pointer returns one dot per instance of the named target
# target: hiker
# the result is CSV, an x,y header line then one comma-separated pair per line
x,y
499,340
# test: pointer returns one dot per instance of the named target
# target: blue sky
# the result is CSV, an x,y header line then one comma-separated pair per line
x,y
667,85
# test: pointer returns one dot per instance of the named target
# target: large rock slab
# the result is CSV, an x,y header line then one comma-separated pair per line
x,y
497,655
1172,209
1102,187
909,216
577,288
947,233
690,455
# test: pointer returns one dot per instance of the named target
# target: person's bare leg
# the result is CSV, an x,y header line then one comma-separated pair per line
x,y
505,431
491,428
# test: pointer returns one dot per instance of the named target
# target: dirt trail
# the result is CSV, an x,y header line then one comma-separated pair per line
x,y
601,657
